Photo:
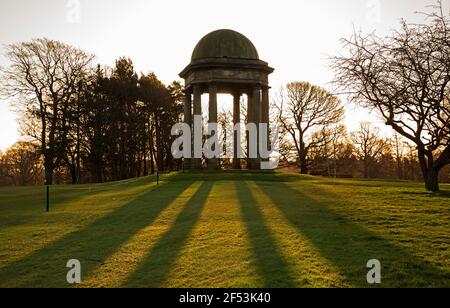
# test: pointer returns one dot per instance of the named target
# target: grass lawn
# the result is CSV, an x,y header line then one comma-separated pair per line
x,y
227,230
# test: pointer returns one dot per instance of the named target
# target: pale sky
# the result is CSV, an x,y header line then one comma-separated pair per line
x,y
294,36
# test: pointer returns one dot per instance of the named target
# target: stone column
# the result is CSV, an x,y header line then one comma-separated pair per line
x,y
265,112
188,121
236,120
213,163
256,163
197,162
249,120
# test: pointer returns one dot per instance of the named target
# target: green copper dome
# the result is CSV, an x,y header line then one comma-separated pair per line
x,y
225,44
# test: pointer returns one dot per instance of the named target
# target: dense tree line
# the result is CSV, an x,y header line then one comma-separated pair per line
x,y
335,153
365,154
125,121
88,124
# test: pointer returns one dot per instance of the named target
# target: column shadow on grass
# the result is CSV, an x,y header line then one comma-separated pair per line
x,y
155,268
30,208
349,246
91,244
270,264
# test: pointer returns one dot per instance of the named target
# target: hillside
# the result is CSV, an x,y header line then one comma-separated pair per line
x,y
226,230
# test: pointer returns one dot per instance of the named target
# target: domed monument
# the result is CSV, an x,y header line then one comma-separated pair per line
x,y
225,61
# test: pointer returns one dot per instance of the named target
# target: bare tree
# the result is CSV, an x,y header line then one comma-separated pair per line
x,y
303,107
43,77
398,146
21,165
338,141
368,145
328,144
406,78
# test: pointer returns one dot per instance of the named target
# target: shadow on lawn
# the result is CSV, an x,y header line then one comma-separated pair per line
x,y
92,244
271,265
264,176
18,209
442,193
350,246
155,268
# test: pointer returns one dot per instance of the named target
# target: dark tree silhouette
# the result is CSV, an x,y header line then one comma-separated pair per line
x,y
43,78
406,78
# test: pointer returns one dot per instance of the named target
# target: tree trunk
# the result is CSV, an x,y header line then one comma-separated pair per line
x,y
398,157
48,166
145,160
98,171
432,179
78,147
429,171
115,168
303,162
399,169
152,160
334,161
151,148
159,147
366,169
99,175
73,173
